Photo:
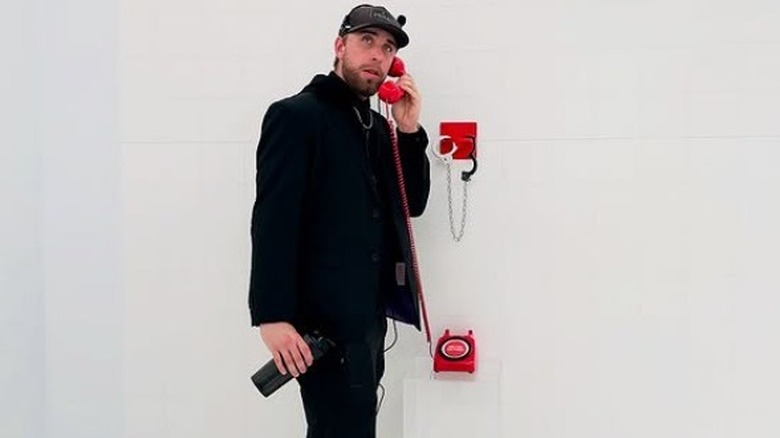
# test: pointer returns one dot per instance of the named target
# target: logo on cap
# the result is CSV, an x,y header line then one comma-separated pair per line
x,y
381,15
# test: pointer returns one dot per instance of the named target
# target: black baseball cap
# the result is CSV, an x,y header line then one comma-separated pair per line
x,y
365,16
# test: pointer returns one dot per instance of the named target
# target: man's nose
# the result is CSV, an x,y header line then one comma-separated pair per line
x,y
377,54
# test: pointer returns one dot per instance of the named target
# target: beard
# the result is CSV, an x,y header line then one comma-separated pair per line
x,y
362,86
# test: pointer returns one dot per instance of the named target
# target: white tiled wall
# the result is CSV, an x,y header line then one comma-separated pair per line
x,y
620,250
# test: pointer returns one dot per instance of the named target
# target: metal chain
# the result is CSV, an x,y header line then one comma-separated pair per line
x,y
459,234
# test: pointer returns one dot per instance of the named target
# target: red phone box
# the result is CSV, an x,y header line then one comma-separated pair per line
x,y
461,134
455,353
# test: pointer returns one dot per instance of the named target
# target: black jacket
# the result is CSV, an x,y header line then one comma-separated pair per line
x,y
330,246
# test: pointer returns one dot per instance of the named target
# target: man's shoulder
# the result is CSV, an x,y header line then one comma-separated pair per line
x,y
299,109
300,103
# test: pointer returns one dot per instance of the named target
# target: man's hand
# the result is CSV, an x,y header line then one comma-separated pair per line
x,y
407,111
291,354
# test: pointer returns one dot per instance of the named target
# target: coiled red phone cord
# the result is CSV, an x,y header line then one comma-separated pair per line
x,y
407,216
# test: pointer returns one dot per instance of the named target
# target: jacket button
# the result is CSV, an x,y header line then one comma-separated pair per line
x,y
375,213
375,257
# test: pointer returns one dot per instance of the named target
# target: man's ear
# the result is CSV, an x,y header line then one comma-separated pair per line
x,y
339,47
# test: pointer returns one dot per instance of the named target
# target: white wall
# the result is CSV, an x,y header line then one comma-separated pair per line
x,y
80,214
21,289
621,242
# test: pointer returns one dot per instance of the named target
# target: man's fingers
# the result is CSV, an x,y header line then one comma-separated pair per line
x,y
407,80
291,363
290,352
303,347
298,357
299,361
279,363
410,89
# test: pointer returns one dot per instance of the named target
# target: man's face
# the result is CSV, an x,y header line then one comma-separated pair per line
x,y
364,58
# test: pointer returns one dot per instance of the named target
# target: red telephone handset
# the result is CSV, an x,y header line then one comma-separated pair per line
x,y
390,92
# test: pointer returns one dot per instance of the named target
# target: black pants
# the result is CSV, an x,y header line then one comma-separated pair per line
x,y
339,392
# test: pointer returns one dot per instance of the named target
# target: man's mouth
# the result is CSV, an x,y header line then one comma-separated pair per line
x,y
372,72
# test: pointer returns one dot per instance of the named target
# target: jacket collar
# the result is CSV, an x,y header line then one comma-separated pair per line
x,y
333,88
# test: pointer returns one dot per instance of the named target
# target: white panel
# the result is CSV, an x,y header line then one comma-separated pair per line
x,y
452,404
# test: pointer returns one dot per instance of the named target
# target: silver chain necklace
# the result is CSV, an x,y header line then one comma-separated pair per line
x,y
360,119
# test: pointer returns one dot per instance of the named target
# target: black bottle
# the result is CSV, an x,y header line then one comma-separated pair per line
x,y
268,378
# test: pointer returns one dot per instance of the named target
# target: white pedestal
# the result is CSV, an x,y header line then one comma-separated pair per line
x,y
452,405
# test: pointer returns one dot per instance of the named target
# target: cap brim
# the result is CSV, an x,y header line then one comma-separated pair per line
x,y
401,38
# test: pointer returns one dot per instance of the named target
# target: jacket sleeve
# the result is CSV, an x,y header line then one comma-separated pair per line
x,y
417,169
276,216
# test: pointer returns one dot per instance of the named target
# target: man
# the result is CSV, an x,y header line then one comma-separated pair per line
x,y
331,247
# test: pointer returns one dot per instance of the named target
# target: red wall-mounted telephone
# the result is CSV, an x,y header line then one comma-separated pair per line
x,y
390,92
